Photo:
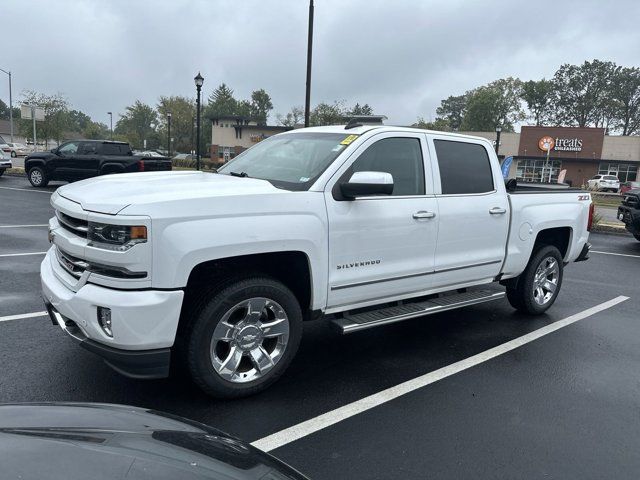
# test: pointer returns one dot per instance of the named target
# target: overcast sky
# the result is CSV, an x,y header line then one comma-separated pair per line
x,y
400,56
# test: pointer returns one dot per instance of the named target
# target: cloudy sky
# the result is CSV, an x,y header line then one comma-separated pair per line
x,y
400,56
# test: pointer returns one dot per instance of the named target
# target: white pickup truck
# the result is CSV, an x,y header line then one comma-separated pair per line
x,y
362,226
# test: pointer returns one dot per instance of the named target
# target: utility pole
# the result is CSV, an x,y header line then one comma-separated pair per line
x,y
307,101
169,133
10,105
199,80
111,123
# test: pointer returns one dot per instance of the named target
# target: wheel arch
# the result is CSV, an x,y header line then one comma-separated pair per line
x,y
559,237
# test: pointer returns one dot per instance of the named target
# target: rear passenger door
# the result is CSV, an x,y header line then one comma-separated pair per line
x,y
474,211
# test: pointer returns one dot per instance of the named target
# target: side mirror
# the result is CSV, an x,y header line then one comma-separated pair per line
x,y
363,184
54,150
511,184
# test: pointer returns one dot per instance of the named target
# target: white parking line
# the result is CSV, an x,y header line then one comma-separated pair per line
x,y
23,226
27,190
291,434
21,254
618,254
23,315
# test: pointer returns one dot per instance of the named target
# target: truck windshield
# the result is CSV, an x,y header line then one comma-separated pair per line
x,y
292,161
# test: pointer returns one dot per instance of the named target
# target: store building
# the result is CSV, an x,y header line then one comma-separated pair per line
x,y
582,152
232,135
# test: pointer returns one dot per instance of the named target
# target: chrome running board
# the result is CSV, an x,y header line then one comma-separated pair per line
x,y
384,316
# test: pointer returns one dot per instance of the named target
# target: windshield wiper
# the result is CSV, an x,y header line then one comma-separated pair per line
x,y
238,174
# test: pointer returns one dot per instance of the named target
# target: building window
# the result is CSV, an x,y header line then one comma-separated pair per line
x,y
226,153
624,171
530,170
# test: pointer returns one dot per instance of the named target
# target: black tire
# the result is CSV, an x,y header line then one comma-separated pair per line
x,y
1,171
637,236
522,297
13,154
209,311
37,177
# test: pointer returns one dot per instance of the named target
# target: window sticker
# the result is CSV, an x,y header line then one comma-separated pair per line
x,y
348,139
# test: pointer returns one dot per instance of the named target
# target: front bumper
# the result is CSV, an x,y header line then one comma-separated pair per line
x,y
631,218
146,364
144,322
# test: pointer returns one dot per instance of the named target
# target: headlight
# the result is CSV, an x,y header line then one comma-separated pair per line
x,y
115,237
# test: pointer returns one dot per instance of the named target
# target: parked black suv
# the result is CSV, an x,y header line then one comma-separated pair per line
x,y
629,212
80,159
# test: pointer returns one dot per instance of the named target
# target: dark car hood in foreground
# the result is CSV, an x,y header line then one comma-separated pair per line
x,y
68,441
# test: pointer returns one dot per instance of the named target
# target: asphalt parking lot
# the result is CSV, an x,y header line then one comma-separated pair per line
x,y
564,405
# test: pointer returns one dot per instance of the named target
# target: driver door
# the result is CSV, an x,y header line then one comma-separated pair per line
x,y
383,247
66,161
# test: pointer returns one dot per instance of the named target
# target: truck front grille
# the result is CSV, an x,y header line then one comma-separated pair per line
x,y
74,266
75,225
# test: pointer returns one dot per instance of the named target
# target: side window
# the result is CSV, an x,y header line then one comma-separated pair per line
x,y
70,148
464,167
87,148
401,157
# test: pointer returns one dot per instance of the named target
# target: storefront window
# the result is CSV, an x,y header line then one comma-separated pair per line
x,y
624,171
532,170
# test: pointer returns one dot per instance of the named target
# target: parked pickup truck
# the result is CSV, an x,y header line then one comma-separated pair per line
x,y
629,212
82,159
360,226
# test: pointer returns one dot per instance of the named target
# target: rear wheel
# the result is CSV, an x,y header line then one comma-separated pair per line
x,y
243,337
538,286
13,154
38,177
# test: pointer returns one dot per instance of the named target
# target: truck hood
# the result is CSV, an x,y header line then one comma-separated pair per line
x,y
112,193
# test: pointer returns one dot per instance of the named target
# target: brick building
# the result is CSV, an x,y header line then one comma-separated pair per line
x,y
582,152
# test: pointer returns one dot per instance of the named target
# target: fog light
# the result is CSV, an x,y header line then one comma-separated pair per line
x,y
104,319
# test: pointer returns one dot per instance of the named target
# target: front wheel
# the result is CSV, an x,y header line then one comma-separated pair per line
x,y
13,154
243,337
538,286
637,236
38,177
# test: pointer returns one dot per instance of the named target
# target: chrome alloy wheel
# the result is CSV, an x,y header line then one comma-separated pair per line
x,y
545,281
249,340
36,177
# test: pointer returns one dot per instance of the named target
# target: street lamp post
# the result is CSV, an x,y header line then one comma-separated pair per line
x,y
169,133
199,80
11,106
498,130
111,123
307,100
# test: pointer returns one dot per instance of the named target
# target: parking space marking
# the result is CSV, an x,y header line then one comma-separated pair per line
x,y
22,254
23,226
26,190
23,315
617,254
303,429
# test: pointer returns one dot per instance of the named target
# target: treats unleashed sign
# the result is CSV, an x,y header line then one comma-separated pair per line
x,y
561,141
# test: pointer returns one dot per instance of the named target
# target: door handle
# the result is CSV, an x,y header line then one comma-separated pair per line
x,y
497,211
423,214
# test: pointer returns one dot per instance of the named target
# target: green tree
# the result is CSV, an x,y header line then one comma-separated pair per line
x,y
361,110
581,93
77,121
439,124
221,103
183,113
260,106
492,105
55,121
538,96
452,110
96,131
294,117
625,98
4,112
137,124
327,114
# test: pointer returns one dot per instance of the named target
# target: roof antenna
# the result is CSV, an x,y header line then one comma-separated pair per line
x,y
352,123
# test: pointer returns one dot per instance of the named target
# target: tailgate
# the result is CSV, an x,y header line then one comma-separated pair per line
x,y
156,165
